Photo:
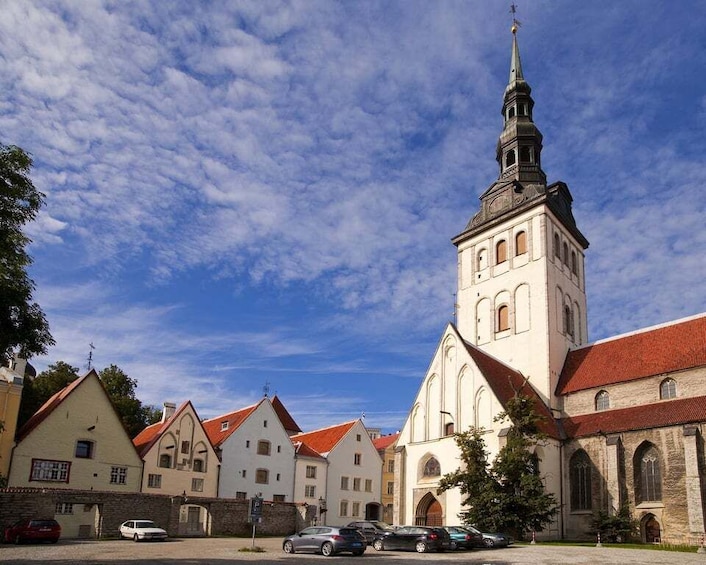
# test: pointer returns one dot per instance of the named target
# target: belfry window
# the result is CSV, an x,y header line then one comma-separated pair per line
x,y
525,155
503,321
510,112
510,158
501,252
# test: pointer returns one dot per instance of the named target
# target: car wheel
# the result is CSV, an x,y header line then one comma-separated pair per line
x,y
488,542
288,547
453,545
421,547
378,545
135,538
327,549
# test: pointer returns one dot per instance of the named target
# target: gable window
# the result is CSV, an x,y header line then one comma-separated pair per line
x,y
602,401
668,389
310,472
154,481
264,424
198,466
357,458
503,318
357,437
310,491
84,449
263,447
185,445
165,460
432,468
46,470
118,475
262,476
197,485
521,243
244,473
650,479
247,444
580,469
500,252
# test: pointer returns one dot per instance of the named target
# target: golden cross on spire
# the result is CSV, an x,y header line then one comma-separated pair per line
x,y
515,22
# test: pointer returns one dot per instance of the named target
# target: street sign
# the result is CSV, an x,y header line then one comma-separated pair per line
x,y
255,508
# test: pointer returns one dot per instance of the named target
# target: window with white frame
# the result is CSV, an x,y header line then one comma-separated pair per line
x,y
47,470
154,481
355,509
368,485
390,465
118,475
356,483
64,508
344,508
344,483
197,485
357,459
310,472
390,487
310,491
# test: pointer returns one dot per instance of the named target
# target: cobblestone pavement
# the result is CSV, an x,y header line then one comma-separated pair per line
x,y
224,551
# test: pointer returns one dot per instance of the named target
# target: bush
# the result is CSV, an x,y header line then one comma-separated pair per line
x,y
615,528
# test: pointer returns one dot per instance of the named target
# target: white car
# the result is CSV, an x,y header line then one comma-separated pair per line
x,y
140,530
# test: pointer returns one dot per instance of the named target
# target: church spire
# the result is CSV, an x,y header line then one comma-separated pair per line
x,y
520,144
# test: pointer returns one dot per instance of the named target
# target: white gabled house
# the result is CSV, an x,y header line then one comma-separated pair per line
x,y
353,472
257,456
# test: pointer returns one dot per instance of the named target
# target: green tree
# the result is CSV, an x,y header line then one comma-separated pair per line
x,y
509,494
36,392
618,527
23,327
121,390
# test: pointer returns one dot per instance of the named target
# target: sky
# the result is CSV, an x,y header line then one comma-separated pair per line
x,y
256,196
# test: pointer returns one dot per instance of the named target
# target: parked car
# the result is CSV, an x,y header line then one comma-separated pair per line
x,y
491,539
34,529
464,538
416,538
371,528
326,540
141,530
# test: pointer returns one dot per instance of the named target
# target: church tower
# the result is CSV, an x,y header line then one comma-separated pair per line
x,y
521,278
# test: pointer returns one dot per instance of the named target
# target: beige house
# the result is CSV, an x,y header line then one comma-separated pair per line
x,y
386,449
76,441
11,383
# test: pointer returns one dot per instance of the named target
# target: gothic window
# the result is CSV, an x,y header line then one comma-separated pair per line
x,y
432,468
566,254
668,389
649,483
556,247
568,319
525,155
501,252
521,243
574,263
602,401
503,318
510,158
580,477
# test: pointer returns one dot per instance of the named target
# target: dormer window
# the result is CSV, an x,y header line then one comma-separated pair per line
x,y
224,426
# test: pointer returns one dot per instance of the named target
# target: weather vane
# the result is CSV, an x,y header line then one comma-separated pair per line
x,y
90,356
266,388
515,22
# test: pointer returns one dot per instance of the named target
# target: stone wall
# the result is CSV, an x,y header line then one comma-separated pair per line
x,y
223,516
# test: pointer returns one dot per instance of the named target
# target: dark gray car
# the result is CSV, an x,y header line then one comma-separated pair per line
x,y
326,540
371,528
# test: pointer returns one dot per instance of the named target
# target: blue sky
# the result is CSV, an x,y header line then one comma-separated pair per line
x,y
241,193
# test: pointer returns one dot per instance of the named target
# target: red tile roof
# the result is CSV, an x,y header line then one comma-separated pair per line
x,y
324,440
674,412
285,417
385,441
213,427
50,405
505,381
678,346
147,437
305,451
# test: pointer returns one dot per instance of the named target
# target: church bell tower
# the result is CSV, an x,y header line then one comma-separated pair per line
x,y
521,279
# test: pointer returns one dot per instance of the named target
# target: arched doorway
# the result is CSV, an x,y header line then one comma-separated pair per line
x,y
651,528
429,512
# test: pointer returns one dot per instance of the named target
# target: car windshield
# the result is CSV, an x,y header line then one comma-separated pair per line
x,y
382,525
144,524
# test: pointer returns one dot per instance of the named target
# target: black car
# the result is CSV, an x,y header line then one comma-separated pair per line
x,y
326,540
414,538
371,528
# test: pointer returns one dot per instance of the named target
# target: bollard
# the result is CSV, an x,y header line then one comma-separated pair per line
x,y
534,540
701,549
599,544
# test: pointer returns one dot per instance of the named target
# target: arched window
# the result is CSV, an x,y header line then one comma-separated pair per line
x,y
432,468
165,460
501,252
568,321
503,318
566,254
580,477
520,243
574,263
482,259
510,158
649,484
602,400
556,247
449,429
525,155
668,389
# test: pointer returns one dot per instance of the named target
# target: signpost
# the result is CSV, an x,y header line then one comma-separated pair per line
x,y
255,514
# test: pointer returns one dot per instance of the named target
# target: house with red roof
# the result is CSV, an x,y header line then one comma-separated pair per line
x,y
76,440
624,418
179,460
256,454
351,483
385,446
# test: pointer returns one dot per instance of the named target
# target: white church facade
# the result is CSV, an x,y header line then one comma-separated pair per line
x,y
624,417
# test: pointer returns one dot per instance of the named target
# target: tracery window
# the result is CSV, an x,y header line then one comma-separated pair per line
x,y
580,476
668,389
650,480
432,468
602,400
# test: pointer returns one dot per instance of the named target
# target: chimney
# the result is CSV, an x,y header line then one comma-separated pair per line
x,y
168,412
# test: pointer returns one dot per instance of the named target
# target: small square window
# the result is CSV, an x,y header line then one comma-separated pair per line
x,y
118,475
185,445
154,481
240,495
264,424
224,426
84,449
262,476
197,485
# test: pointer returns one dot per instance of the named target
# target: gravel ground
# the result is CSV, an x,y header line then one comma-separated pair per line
x,y
222,551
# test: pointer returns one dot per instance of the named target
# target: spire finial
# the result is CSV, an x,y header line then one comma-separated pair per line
x,y
515,23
